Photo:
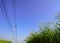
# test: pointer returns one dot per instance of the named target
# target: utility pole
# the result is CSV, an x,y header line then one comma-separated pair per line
x,y
15,30
14,35
14,15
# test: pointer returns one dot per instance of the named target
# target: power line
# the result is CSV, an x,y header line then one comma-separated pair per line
x,y
5,15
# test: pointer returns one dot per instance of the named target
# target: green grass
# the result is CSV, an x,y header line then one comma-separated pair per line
x,y
4,41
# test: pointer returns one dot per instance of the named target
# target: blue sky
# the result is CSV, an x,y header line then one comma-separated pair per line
x,y
29,15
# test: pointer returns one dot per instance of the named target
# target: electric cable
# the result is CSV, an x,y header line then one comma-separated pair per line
x,y
5,15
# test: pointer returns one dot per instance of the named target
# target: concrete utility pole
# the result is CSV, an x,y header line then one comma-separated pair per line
x,y
14,15
15,30
14,35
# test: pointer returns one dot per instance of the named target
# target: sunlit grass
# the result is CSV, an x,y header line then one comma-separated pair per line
x,y
4,41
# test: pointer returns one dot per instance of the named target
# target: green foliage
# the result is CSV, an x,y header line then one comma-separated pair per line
x,y
58,29
47,34
4,41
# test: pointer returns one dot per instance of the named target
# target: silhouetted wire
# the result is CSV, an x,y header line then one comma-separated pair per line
x,y
5,15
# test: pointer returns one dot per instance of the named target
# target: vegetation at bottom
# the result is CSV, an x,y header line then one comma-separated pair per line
x,y
47,33
4,41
